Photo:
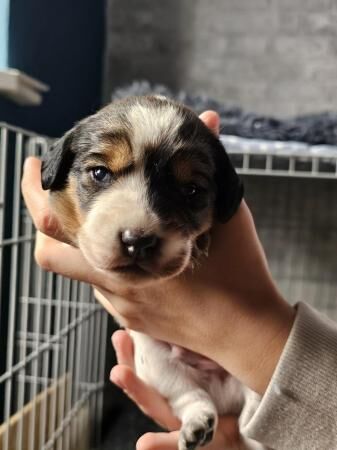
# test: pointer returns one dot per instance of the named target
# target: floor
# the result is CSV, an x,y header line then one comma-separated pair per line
x,y
124,423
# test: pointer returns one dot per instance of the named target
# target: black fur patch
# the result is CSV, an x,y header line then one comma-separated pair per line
x,y
229,188
167,197
57,163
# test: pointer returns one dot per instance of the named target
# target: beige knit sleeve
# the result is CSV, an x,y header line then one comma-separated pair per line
x,y
299,408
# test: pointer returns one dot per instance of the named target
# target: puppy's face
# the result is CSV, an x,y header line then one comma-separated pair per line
x,y
137,186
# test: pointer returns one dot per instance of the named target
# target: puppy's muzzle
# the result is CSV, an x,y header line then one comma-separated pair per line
x,y
137,245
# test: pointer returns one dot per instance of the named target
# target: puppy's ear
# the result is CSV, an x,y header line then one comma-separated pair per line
x,y
228,184
57,162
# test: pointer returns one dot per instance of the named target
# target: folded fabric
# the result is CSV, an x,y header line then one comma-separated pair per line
x,y
314,129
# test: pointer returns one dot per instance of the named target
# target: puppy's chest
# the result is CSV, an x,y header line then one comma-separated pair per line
x,y
225,390
205,367
169,368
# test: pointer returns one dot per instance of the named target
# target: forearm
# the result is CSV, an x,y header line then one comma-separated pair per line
x,y
255,343
298,409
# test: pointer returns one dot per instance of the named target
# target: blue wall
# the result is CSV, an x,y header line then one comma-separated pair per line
x,y
60,43
4,15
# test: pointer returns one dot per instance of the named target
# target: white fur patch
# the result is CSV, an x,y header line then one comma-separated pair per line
x,y
124,206
152,123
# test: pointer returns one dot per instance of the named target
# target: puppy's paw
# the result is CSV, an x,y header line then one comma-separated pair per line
x,y
197,430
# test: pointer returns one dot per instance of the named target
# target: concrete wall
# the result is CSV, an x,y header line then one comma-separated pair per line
x,y
270,56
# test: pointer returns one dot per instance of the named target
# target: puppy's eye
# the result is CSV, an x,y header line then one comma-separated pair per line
x,y
190,190
100,174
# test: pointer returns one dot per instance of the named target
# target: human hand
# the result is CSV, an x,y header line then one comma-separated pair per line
x,y
228,309
156,407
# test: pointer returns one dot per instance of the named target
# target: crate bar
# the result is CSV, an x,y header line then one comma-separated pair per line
x,y
85,293
79,359
96,372
87,344
13,285
286,173
19,240
23,332
56,354
24,316
31,336
33,386
46,355
245,164
90,366
269,162
315,166
86,386
103,339
3,166
63,353
63,302
72,340
36,144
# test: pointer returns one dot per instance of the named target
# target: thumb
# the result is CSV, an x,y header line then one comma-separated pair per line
x,y
212,120
158,441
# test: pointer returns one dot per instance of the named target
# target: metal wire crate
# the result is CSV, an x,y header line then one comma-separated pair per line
x,y
282,158
52,331
292,190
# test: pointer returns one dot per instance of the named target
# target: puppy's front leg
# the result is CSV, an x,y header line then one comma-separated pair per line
x,y
198,414
175,381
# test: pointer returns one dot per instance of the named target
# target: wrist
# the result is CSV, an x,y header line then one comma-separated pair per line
x,y
277,331
255,340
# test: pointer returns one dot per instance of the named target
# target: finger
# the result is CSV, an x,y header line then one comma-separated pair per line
x,y
123,344
61,258
158,441
64,259
37,200
147,399
212,120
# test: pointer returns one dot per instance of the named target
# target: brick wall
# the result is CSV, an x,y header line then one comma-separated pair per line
x,y
270,56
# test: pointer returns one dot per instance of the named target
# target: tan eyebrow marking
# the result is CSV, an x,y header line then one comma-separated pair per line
x,y
115,152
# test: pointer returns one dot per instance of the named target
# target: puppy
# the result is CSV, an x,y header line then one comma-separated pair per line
x,y
137,187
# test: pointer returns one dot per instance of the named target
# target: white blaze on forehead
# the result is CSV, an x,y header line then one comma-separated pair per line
x,y
153,123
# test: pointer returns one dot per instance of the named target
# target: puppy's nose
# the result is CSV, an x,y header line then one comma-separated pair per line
x,y
137,244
